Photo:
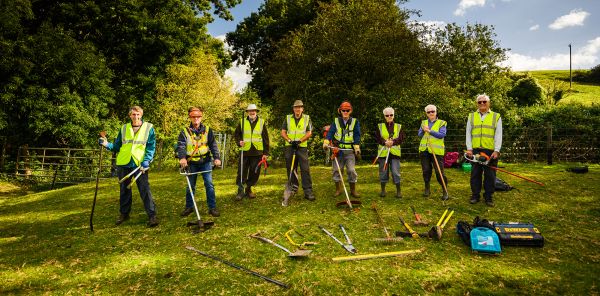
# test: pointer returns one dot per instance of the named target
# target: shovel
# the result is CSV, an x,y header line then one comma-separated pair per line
x,y
297,254
201,226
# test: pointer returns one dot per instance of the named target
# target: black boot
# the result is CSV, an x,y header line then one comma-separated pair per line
x,y
426,192
382,193
445,195
240,193
353,191
398,191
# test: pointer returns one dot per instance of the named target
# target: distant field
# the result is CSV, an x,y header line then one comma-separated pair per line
x,y
586,93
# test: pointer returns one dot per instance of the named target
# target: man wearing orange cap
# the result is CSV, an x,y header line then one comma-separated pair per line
x,y
344,133
195,146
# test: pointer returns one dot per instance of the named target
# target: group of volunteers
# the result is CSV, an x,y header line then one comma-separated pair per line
x,y
197,152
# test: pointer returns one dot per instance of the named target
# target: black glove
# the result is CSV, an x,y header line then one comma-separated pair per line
x,y
295,144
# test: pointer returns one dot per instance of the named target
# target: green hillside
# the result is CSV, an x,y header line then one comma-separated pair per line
x,y
586,93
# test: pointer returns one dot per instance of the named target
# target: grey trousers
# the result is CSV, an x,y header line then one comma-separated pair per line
x,y
393,167
348,160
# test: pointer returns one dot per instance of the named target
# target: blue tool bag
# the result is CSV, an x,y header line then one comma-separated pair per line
x,y
485,240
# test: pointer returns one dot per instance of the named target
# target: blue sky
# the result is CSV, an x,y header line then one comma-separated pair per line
x,y
537,32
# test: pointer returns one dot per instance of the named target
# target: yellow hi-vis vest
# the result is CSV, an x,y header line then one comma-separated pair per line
x,y
346,136
437,144
394,150
297,132
198,143
252,137
483,132
133,144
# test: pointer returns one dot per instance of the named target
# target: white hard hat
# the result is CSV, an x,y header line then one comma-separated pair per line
x,y
251,107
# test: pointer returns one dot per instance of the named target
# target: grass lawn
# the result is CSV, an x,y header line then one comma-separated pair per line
x,y
586,93
46,246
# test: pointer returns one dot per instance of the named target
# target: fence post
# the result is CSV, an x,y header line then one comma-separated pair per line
x,y
549,145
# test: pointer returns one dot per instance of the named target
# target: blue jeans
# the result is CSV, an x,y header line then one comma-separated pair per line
x,y
211,199
393,167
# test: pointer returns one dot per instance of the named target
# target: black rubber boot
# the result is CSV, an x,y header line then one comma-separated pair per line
x,y
382,193
426,192
398,191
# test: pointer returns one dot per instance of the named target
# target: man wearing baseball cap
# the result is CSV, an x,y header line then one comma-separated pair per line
x,y
252,137
296,130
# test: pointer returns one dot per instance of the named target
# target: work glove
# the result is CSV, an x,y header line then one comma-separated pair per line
x,y
325,144
145,166
102,141
356,150
295,144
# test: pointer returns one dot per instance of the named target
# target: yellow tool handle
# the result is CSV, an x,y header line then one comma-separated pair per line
x,y
447,218
442,218
412,232
373,256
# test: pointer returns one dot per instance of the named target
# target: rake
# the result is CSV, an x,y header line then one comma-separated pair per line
x,y
388,238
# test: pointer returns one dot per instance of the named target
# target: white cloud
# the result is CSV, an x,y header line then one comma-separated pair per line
x,y
466,4
574,18
238,75
583,58
534,28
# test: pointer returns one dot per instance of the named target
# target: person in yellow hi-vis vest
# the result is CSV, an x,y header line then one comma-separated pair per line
x,y
252,137
296,130
196,149
484,134
135,144
344,133
389,136
431,148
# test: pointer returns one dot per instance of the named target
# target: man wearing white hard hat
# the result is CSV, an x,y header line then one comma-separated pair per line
x,y
252,137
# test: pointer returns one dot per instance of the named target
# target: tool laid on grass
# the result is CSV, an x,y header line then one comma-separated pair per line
x,y
348,202
254,273
374,256
348,246
296,254
413,233
199,225
388,238
303,245
436,231
418,221
484,159
102,135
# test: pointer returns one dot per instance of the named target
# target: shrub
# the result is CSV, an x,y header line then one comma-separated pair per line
x,y
527,92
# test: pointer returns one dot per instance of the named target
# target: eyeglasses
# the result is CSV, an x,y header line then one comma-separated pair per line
x,y
430,112
481,102
345,110
389,115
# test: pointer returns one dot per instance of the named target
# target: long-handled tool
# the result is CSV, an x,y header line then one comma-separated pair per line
x,y
289,188
413,233
242,157
296,254
377,156
129,175
348,202
418,220
348,246
436,231
130,185
303,244
102,135
484,159
437,165
264,163
201,226
254,273
387,157
388,238
374,256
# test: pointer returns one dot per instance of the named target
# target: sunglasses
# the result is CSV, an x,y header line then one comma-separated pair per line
x,y
481,102
389,115
345,110
430,112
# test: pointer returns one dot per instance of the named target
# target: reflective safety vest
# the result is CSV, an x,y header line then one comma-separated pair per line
x,y
252,137
297,132
437,144
383,131
345,136
133,144
483,131
197,143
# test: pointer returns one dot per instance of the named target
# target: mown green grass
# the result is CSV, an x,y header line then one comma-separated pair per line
x,y
46,246
585,93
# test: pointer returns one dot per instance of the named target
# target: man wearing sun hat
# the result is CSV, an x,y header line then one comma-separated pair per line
x,y
252,137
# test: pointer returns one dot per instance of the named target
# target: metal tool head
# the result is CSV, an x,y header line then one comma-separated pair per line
x,y
435,232
344,204
200,226
350,248
300,253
